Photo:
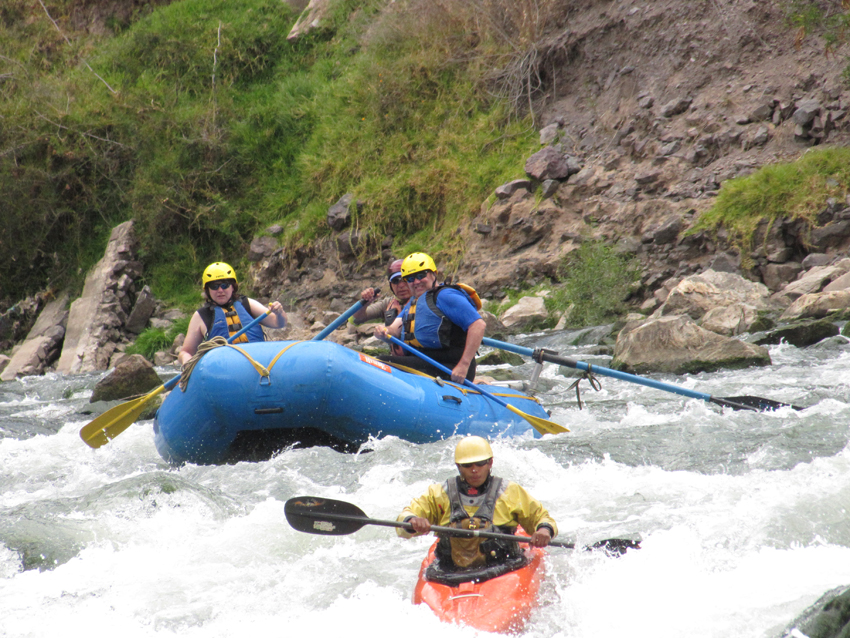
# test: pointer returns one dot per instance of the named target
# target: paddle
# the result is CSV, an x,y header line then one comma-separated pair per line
x,y
336,323
737,403
324,516
541,425
115,420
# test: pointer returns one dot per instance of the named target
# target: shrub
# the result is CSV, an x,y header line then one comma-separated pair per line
x,y
597,281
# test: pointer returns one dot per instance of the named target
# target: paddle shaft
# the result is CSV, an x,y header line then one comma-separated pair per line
x,y
336,323
437,529
615,374
440,366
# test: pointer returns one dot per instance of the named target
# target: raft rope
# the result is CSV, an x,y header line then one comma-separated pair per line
x,y
218,342
594,383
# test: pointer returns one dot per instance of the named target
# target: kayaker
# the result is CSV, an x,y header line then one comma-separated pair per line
x,y
387,308
225,312
446,325
476,499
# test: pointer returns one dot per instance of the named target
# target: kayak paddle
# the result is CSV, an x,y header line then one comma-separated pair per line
x,y
115,420
541,425
336,323
324,516
736,403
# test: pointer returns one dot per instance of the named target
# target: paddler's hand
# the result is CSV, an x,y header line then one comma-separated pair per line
x,y
381,332
368,295
541,537
420,525
459,373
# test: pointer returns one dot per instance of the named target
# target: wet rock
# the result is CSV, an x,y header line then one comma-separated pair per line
x,y
677,345
800,334
829,617
133,376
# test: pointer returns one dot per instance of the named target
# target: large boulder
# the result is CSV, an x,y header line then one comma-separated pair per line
x,y
799,334
527,311
43,344
97,318
133,376
677,345
817,305
695,296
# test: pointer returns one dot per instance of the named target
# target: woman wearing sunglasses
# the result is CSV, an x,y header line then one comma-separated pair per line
x,y
442,321
225,312
476,499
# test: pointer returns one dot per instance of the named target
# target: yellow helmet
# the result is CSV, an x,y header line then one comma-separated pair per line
x,y
217,271
417,262
472,449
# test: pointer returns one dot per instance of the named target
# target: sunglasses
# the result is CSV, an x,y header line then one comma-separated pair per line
x,y
220,284
476,464
396,278
416,276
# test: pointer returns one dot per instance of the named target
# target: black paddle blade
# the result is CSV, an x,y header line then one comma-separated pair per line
x,y
614,546
758,404
325,516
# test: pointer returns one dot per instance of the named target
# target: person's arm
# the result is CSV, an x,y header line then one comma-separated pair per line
x,y
393,329
277,319
424,511
531,514
362,316
474,335
194,337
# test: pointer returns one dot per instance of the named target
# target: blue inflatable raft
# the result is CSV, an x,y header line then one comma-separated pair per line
x,y
246,402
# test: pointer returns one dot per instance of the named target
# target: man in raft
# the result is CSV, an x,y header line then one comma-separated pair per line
x,y
476,499
225,312
388,308
440,320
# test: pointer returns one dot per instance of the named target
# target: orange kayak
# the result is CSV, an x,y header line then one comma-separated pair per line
x,y
499,604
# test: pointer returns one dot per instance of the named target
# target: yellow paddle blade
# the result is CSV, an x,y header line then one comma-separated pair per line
x,y
115,420
541,425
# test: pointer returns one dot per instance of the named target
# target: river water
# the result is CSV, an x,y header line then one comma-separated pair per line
x,y
743,516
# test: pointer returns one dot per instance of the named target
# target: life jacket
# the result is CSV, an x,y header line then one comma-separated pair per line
x,y
432,329
224,321
469,553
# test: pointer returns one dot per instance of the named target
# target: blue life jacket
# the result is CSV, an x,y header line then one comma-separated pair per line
x,y
224,321
426,326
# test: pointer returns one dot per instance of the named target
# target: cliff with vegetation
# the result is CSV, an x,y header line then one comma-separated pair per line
x,y
675,136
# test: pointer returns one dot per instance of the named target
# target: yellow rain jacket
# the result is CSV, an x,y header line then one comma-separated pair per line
x,y
514,506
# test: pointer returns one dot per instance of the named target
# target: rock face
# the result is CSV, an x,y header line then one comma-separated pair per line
x,y
43,343
96,318
677,345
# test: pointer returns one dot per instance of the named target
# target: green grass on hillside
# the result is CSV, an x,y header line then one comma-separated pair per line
x,y
797,190
200,121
